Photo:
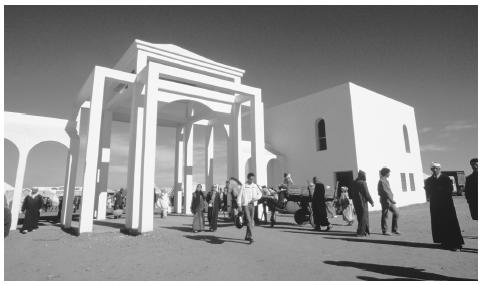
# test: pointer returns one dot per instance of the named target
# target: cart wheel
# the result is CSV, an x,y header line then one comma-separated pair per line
x,y
301,216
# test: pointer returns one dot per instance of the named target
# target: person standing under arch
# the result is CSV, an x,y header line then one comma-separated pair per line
x,y
214,201
31,207
197,207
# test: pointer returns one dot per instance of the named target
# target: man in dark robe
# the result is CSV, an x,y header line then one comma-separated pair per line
x,y
471,189
7,217
213,200
31,207
361,198
319,208
445,227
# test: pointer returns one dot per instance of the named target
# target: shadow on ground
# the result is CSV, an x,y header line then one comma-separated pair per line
x,y
400,243
329,233
106,223
404,273
215,239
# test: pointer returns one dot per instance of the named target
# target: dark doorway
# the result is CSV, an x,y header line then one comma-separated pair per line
x,y
343,178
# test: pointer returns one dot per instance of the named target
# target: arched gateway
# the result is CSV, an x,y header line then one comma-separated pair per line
x,y
140,90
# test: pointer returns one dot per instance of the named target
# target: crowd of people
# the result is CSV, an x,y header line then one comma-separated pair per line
x,y
240,200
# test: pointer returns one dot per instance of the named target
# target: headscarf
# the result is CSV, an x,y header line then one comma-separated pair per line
x,y
435,164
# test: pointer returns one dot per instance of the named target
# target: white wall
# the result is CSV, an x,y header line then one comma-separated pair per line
x,y
290,130
378,124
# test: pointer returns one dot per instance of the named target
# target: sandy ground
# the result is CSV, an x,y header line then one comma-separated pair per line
x,y
285,252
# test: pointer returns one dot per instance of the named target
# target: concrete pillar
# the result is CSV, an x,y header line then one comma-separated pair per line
x,y
209,156
103,164
188,162
258,160
76,155
178,187
149,154
135,158
71,169
233,143
17,194
92,152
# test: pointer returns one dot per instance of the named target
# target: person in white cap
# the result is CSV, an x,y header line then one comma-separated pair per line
x,y
445,227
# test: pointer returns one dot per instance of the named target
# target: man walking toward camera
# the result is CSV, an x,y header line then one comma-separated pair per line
x,y
387,202
249,194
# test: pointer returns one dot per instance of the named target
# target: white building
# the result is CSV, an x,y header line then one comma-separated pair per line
x,y
334,133
331,134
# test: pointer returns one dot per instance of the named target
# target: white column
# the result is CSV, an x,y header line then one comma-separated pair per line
x,y
70,173
258,160
77,133
135,158
91,160
209,155
17,194
149,153
188,167
233,143
103,164
177,186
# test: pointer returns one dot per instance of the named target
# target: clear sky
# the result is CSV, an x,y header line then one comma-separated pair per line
x,y
424,56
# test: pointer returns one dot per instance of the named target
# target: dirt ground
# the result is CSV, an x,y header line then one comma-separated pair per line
x,y
285,252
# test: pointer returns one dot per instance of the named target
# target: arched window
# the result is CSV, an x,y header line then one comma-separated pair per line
x,y
321,136
406,139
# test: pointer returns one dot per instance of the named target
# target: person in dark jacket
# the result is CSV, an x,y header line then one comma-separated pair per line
x,y
387,202
7,218
318,206
471,189
361,198
214,201
31,207
445,227
197,206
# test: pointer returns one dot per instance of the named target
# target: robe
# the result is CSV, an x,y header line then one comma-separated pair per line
x,y
471,193
197,206
361,198
31,207
7,220
213,211
445,227
318,206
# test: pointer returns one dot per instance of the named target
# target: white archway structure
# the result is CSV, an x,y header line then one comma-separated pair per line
x,y
140,90
25,132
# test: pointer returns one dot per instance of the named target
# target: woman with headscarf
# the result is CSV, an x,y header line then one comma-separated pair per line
x,y
31,207
197,207
361,198
346,206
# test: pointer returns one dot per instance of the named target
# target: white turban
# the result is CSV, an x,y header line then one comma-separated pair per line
x,y
436,164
